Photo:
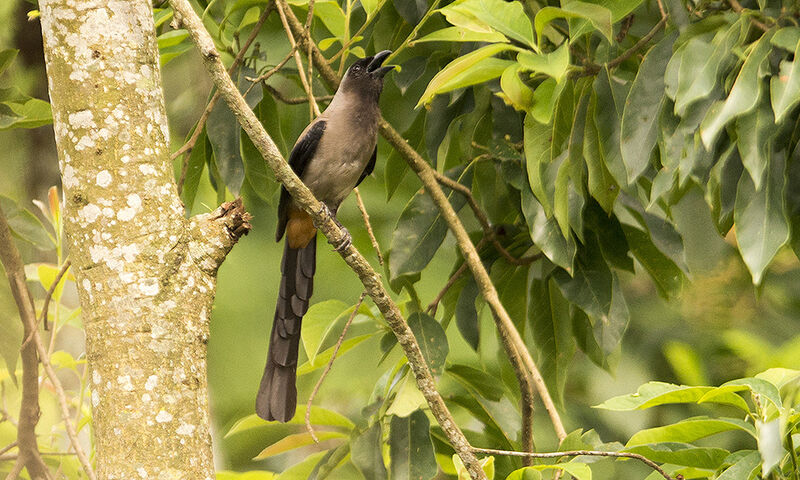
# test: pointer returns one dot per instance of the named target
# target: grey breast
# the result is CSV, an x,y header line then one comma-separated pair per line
x,y
344,150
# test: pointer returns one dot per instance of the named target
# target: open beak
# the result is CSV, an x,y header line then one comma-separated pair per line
x,y
375,67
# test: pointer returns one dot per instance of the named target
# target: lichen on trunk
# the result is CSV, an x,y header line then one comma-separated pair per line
x,y
146,275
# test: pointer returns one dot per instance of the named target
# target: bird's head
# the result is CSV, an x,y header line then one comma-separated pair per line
x,y
365,76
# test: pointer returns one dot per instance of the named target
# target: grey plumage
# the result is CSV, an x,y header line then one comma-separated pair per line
x,y
332,156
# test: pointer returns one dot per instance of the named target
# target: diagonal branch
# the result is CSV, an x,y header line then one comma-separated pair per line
x,y
516,350
29,411
356,261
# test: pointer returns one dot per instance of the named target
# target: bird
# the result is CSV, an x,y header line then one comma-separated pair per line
x,y
332,156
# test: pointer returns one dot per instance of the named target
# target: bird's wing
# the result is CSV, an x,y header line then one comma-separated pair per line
x,y
369,168
301,155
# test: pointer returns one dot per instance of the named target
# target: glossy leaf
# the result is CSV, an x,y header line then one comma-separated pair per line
x,y
25,225
639,128
475,67
223,133
432,340
601,183
483,383
683,454
590,286
669,278
784,88
653,394
508,18
598,16
317,322
786,38
546,234
579,471
408,398
366,453
518,94
544,100
294,441
319,416
690,430
194,169
762,226
743,96
744,467
610,103
251,475
548,314
410,448
324,357
458,34
755,131
302,470
420,231
30,113
553,64
467,314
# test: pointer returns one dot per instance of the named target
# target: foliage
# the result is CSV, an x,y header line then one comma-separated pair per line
x,y
582,129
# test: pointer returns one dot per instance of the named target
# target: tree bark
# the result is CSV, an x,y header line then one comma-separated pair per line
x,y
146,275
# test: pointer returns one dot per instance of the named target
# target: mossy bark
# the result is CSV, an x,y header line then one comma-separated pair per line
x,y
146,275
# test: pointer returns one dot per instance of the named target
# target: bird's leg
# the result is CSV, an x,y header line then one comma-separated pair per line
x,y
346,239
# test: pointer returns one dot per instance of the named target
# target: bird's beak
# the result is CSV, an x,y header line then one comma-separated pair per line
x,y
375,67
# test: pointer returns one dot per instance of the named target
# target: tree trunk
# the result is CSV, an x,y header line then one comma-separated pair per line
x,y
146,275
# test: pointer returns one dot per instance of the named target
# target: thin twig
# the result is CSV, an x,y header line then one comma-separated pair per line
x,y
577,453
593,68
49,294
189,145
434,305
660,4
370,232
16,274
8,447
306,82
295,100
29,456
488,231
328,367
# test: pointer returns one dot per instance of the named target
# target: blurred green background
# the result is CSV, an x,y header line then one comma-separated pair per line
x,y
719,329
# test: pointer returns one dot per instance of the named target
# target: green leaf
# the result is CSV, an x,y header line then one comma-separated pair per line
x,y
755,131
319,416
600,182
786,38
546,234
172,38
467,314
743,97
483,383
610,103
458,34
421,229
762,226
366,453
7,56
519,94
784,88
554,64
475,67
508,18
486,463
639,128
548,314
700,65
25,225
683,454
758,386
251,475
370,7
194,169
31,113
653,394
689,430
525,473
410,448
544,100
538,145
317,322
744,468
294,441
599,17
669,278
223,134
302,470
580,471
432,340
323,358
590,286
408,398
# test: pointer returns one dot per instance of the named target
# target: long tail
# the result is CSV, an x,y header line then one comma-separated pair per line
x,y
277,394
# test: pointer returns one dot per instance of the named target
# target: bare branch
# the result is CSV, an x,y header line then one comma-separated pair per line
x,y
305,81
49,295
577,453
328,367
370,232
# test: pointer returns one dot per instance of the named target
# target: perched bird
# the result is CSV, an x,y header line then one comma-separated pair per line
x,y
332,156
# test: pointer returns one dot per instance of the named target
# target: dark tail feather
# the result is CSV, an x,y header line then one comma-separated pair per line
x,y
277,395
